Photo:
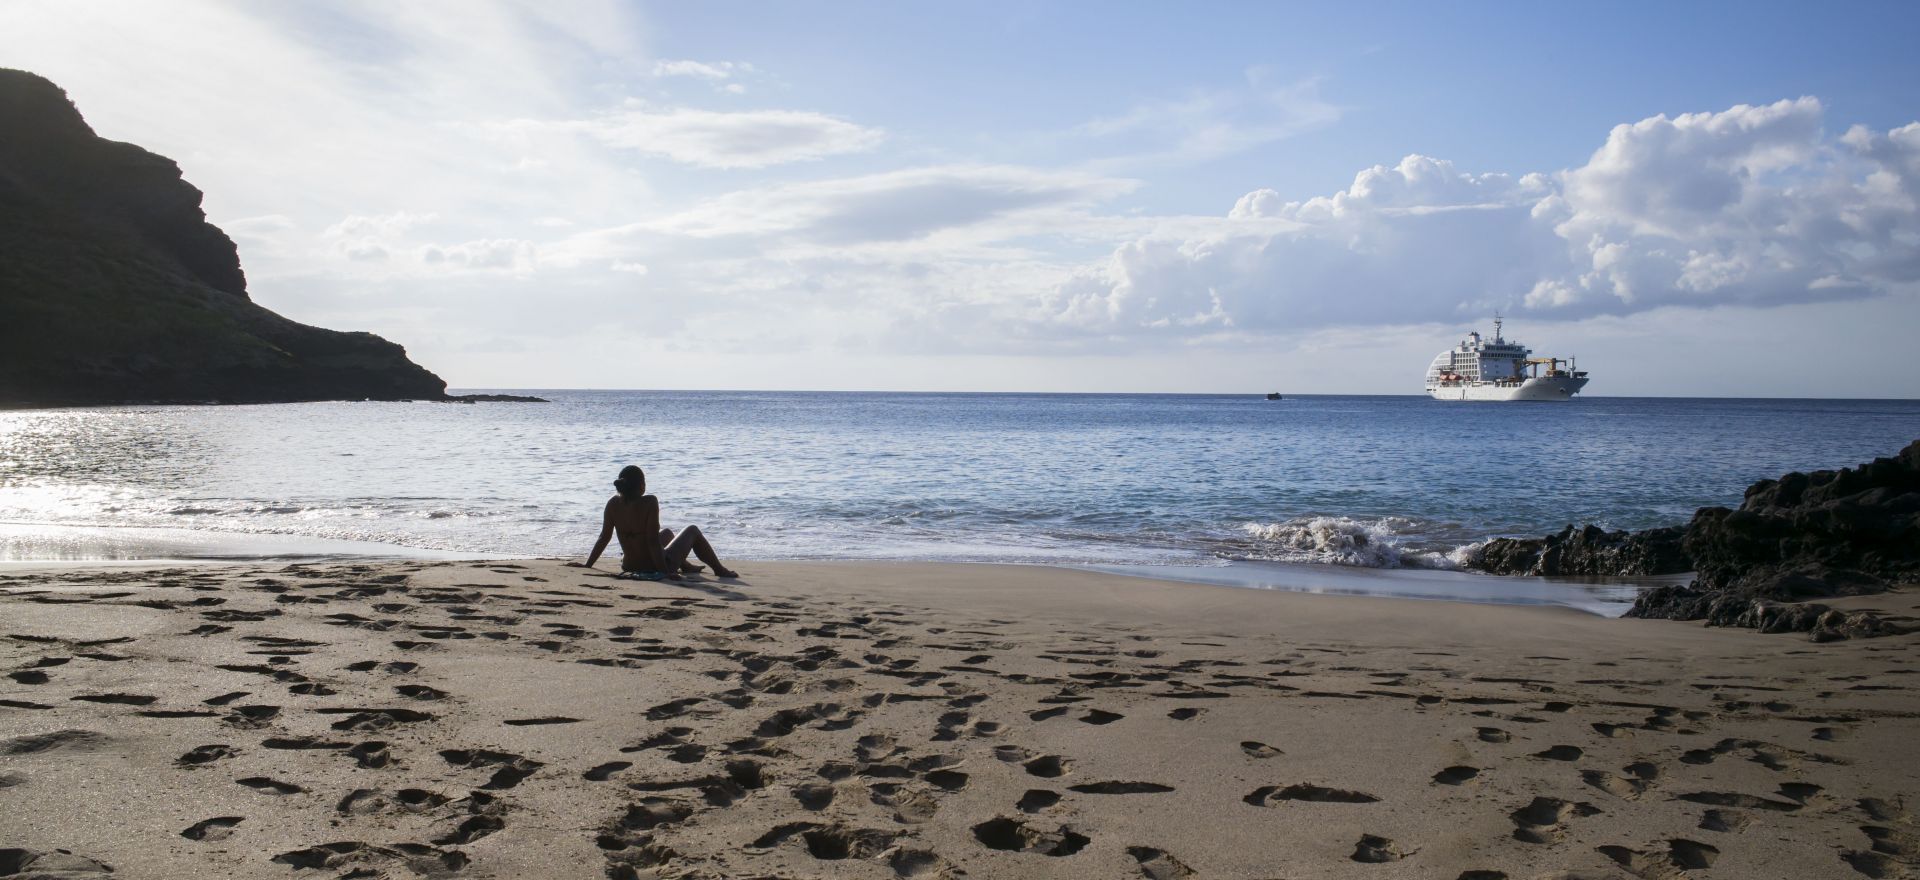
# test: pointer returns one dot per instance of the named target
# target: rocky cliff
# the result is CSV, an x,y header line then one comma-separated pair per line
x,y
114,288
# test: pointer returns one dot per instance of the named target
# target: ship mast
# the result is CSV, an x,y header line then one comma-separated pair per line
x,y
1496,326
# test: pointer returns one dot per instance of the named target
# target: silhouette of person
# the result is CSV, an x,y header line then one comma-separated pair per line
x,y
646,549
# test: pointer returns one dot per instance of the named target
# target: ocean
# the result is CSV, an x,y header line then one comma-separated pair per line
x,y
1220,487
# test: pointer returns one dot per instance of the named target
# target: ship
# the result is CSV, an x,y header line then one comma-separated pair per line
x,y
1500,369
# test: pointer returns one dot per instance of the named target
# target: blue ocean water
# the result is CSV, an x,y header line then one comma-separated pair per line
x,y
1378,482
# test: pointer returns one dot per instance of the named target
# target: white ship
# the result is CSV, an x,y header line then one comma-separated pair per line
x,y
1480,369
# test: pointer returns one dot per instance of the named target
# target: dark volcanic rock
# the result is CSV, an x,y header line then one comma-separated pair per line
x,y
1804,536
495,398
1589,550
1864,519
114,288
1735,608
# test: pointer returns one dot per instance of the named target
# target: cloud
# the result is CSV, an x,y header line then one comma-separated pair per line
x,y
716,139
379,225
701,69
891,206
1752,206
514,256
362,238
1210,123
724,76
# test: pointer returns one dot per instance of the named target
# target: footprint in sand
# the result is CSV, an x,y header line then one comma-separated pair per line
x,y
1158,864
370,755
373,720
919,863
207,754
369,801
1120,788
118,699
1266,795
470,829
1256,749
217,828
910,805
1543,820
512,768
605,771
1685,855
1037,799
1048,766
829,842
814,796
58,740
58,864
1374,849
415,857
270,786
1456,775
947,780
1724,821
1639,776
251,717
1013,835
1185,713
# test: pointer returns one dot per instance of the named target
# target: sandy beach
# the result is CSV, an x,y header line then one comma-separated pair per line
x,y
489,719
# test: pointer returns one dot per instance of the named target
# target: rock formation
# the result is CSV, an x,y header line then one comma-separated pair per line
x,y
1849,532
1589,550
114,288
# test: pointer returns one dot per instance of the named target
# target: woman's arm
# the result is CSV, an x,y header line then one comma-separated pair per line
x,y
600,546
606,534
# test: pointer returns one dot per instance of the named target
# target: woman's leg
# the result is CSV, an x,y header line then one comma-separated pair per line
x,y
666,540
691,541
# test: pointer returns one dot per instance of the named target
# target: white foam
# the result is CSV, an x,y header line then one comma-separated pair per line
x,y
1340,540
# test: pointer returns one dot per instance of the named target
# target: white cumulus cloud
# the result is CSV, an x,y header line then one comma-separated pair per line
x,y
1751,206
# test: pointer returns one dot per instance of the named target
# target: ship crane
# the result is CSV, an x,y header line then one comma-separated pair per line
x,y
1552,365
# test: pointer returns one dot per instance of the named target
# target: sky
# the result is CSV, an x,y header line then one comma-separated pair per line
x,y
1699,199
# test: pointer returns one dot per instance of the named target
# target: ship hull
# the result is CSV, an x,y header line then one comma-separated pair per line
x,y
1536,389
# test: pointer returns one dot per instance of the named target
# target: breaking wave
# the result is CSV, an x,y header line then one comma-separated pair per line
x,y
1387,542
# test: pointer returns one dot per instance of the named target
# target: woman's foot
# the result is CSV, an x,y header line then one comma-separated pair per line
x,y
691,568
724,572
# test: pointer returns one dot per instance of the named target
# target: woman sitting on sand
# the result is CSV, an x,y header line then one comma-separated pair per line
x,y
647,550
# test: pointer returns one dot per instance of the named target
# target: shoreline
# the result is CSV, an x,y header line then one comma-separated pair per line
x,y
887,719
69,546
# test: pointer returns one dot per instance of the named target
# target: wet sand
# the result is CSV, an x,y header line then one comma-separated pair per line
x,y
886,720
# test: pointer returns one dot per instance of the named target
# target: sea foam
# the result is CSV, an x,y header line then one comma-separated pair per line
x,y
1340,540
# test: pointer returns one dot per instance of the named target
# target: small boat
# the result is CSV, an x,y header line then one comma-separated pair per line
x,y
1274,395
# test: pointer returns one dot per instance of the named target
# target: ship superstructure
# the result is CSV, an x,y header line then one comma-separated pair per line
x,y
1500,369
